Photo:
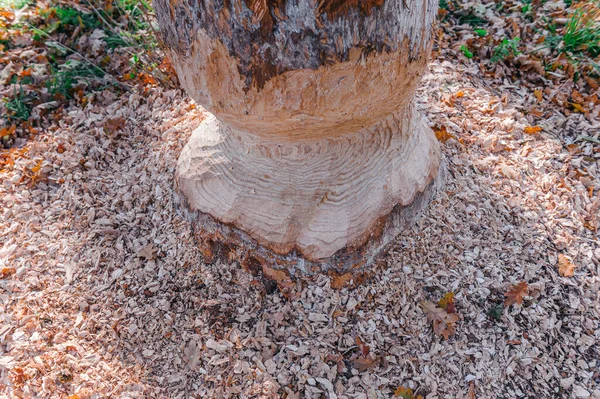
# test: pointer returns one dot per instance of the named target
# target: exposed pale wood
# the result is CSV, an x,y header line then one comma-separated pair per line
x,y
314,155
314,197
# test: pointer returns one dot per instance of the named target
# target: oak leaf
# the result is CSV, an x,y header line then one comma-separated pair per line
x,y
565,267
447,303
516,293
443,322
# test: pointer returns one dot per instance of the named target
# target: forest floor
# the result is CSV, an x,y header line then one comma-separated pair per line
x,y
104,293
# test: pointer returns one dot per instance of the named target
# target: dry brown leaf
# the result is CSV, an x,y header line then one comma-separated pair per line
x,y
471,393
364,348
339,281
447,303
362,364
443,322
539,95
284,282
516,293
113,124
565,267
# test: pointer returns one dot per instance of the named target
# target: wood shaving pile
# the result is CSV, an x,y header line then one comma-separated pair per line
x,y
104,293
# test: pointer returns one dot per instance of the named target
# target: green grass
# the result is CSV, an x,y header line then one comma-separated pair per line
x,y
582,35
466,52
507,48
17,108
69,74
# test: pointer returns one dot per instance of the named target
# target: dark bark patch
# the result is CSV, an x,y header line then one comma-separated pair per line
x,y
337,8
270,37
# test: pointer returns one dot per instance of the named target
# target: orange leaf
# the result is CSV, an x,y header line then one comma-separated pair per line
x,y
443,322
284,282
442,134
539,95
7,272
36,169
406,393
565,267
532,129
7,131
339,281
516,293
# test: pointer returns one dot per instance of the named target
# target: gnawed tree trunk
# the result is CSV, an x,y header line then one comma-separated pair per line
x,y
314,157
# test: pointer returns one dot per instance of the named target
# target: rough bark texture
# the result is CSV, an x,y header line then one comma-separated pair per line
x,y
314,158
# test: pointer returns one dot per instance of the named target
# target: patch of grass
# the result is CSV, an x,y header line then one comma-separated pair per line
x,y
473,20
507,48
17,108
466,52
73,72
582,34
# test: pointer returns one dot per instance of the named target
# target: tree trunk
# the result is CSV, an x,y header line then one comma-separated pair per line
x,y
314,157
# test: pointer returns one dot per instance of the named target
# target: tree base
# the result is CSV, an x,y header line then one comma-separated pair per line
x,y
330,204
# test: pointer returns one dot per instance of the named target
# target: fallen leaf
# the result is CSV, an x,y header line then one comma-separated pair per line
x,y
471,393
38,166
7,272
362,364
532,129
578,108
442,134
339,281
447,303
516,293
113,124
538,94
406,393
284,282
443,322
364,348
148,252
565,267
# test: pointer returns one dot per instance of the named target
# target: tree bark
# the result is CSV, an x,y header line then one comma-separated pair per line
x,y
314,157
